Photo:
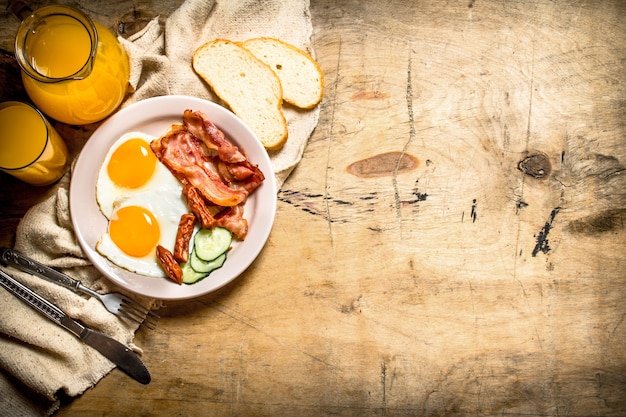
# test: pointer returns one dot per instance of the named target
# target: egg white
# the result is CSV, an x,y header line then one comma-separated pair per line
x,y
161,195
107,192
167,209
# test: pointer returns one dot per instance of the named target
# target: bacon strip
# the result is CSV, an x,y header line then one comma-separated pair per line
x,y
233,220
217,178
243,176
239,172
199,125
181,153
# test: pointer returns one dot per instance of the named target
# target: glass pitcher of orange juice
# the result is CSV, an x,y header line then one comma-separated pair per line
x,y
73,69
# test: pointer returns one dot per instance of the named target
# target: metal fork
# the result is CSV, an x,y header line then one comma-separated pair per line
x,y
121,305
116,303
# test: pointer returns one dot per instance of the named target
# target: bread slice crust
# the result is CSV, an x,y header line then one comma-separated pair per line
x,y
301,78
247,85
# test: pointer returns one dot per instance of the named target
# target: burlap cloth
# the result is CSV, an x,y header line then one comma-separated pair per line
x,y
40,361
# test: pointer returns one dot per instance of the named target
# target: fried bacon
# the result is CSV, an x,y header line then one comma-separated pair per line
x,y
183,237
217,177
202,128
242,176
182,154
239,174
232,219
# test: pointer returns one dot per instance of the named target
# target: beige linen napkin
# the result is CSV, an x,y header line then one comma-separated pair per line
x,y
36,356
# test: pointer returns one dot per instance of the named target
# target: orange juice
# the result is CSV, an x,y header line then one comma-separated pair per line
x,y
73,69
30,148
60,48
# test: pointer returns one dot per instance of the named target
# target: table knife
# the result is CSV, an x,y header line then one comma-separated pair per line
x,y
116,352
16,259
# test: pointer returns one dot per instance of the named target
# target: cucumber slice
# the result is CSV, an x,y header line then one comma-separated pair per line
x,y
207,267
209,244
190,275
208,253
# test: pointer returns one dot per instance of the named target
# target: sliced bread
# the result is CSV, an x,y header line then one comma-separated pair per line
x,y
301,77
247,86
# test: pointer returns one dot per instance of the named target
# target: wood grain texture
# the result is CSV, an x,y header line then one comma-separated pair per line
x,y
452,242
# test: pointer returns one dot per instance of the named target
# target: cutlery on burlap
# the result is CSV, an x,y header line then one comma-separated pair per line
x,y
116,303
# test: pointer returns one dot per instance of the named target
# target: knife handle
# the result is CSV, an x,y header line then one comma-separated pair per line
x,y
31,298
116,352
40,304
26,264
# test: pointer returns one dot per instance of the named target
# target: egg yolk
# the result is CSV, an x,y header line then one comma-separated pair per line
x,y
132,164
134,230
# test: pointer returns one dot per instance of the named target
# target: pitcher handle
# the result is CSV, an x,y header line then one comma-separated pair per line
x,y
20,9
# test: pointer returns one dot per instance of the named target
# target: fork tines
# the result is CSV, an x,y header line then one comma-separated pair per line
x,y
137,313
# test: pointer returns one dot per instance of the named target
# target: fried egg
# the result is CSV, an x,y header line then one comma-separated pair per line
x,y
138,224
131,167
143,202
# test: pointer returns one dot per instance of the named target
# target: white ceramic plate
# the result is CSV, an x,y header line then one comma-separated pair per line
x,y
154,116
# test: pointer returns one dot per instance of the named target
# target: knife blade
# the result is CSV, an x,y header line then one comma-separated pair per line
x,y
116,352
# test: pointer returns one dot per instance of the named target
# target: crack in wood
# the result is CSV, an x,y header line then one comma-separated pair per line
x,y
542,238
411,117
383,380
519,205
310,203
474,214
330,138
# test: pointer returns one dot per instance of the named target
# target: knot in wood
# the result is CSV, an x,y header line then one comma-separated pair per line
x,y
536,165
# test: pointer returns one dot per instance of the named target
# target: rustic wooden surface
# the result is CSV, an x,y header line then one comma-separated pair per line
x,y
452,242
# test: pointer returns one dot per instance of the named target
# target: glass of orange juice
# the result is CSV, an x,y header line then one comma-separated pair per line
x,y
30,148
73,69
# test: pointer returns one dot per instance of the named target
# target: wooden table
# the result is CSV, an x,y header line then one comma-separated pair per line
x,y
452,242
